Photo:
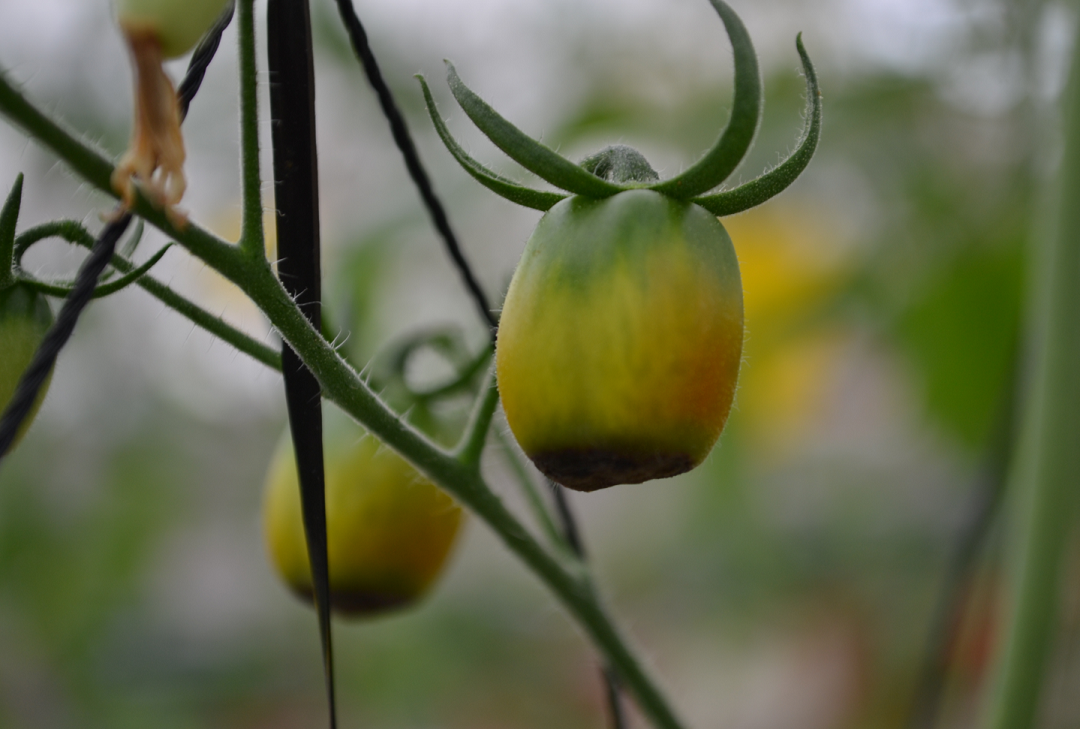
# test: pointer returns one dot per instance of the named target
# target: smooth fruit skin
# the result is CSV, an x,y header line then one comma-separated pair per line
x,y
620,339
389,529
177,24
25,317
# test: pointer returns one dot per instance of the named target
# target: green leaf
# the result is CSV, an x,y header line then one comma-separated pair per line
x,y
525,150
729,150
515,193
777,180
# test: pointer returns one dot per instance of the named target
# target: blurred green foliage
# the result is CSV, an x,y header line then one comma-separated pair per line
x,y
806,558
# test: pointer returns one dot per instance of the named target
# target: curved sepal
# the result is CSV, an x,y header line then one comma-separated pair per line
x,y
9,218
515,193
63,289
526,151
776,180
735,140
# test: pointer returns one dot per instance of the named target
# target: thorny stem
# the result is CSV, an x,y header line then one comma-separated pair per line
x,y
73,232
37,373
344,386
251,224
475,437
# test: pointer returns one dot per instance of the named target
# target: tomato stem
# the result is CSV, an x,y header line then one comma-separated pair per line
x,y
1046,466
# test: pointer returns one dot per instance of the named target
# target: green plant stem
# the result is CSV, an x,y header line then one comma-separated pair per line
x,y
73,232
93,167
533,498
1046,470
475,437
462,480
64,289
251,224
346,388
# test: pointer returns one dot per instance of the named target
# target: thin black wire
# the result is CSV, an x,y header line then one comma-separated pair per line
x,y
404,142
200,61
402,138
572,534
86,281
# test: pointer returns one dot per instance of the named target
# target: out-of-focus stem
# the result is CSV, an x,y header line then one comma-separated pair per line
x,y
1045,477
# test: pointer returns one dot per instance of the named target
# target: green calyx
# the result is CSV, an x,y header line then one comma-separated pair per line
x,y
619,168
622,165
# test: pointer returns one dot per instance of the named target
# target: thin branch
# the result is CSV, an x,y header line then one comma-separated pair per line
x,y
86,281
252,238
572,535
358,37
344,386
22,402
472,442
73,232
64,289
532,494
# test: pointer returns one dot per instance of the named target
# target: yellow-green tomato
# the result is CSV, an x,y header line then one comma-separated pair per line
x,y
389,529
620,339
24,319
176,24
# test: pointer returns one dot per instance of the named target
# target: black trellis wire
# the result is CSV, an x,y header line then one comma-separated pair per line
x,y
400,131
358,38
419,175
95,264
291,68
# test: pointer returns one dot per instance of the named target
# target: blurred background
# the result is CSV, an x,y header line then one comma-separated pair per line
x,y
791,581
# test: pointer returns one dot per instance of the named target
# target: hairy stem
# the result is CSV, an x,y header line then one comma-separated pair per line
x,y
251,225
346,388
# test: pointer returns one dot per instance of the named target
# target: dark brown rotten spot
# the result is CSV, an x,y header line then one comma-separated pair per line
x,y
358,602
592,469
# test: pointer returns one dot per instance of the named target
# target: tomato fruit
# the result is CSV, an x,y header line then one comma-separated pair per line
x,y
389,529
620,339
156,30
176,24
25,317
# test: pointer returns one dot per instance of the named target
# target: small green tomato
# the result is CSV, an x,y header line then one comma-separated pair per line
x,y
24,319
620,339
389,529
177,25
156,30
